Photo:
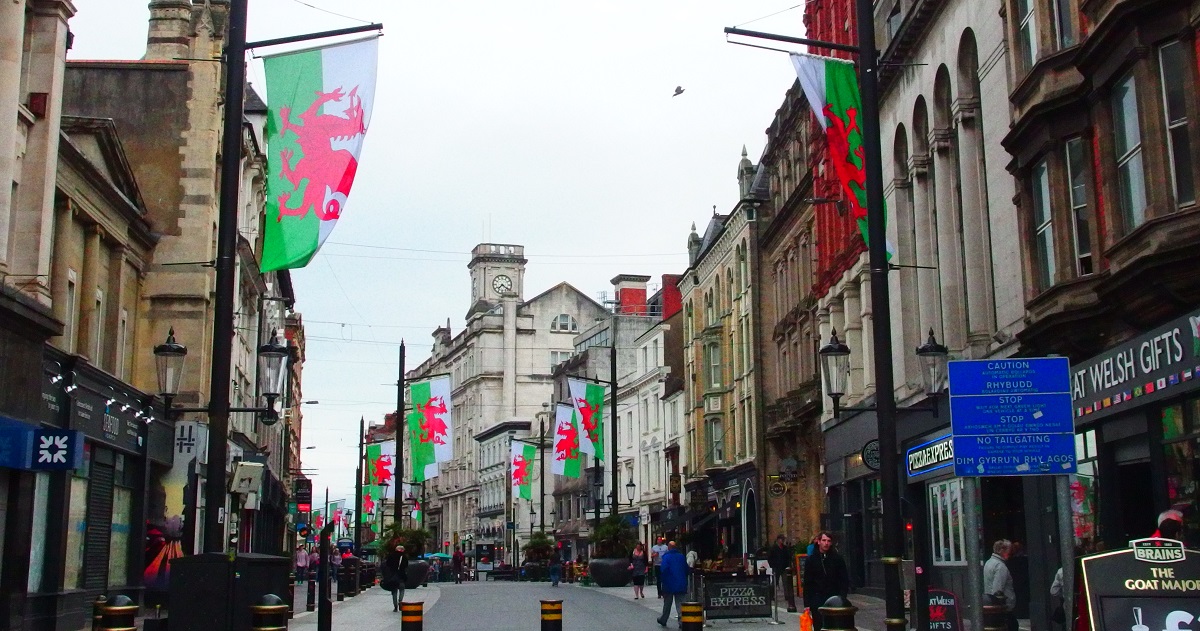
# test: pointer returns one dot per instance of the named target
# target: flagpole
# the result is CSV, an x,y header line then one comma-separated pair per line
x,y
398,467
542,473
358,488
612,376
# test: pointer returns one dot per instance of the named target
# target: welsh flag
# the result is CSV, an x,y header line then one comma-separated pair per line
x,y
319,105
318,518
381,467
430,426
372,498
588,401
831,87
417,514
522,470
566,442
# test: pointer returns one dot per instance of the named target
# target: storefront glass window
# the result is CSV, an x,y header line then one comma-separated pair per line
x,y
76,531
1181,441
946,522
122,520
37,553
1084,492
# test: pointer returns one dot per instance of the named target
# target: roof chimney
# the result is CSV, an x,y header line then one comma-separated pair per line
x,y
630,290
170,31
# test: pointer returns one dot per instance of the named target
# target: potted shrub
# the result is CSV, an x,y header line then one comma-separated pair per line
x,y
537,551
414,541
614,540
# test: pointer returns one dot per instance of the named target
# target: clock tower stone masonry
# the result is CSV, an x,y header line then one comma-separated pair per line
x,y
497,269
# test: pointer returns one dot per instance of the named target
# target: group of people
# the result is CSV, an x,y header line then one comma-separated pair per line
x,y
307,560
645,564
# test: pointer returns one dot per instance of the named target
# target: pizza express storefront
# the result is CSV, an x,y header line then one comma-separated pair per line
x,y
1137,424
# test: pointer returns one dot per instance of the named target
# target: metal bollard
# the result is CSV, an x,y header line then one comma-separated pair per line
x,y
837,615
119,614
340,575
412,616
97,616
995,618
789,588
291,598
552,615
310,600
692,618
270,614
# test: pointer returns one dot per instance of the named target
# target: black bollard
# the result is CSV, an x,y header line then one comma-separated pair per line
x,y
837,615
118,614
552,615
412,616
97,615
341,583
789,588
291,598
310,600
270,614
692,618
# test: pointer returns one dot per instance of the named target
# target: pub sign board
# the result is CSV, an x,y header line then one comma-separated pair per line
x,y
1153,585
737,600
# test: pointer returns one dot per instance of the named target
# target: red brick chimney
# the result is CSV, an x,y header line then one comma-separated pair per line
x,y
672,299
630,293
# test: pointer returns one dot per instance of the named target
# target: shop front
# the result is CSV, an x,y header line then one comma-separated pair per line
x,y
1137,422
852,512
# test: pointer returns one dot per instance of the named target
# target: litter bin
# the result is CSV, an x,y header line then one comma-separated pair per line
x,y
210,591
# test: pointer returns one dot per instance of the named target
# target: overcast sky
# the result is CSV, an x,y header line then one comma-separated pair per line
x,y
543,123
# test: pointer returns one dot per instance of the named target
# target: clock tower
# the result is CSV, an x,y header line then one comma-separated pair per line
x,y
497,269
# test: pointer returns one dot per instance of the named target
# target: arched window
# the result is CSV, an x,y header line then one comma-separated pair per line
x,y
564,323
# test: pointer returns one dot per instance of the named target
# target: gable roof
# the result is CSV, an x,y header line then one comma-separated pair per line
x,y
566,286
94,141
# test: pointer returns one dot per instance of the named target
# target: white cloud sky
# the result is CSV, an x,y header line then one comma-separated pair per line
x,y
543,123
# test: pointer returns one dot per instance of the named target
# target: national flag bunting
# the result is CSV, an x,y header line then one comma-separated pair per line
x,y
430,426
831,87
588,400
381,467
319,104
522,470
566,442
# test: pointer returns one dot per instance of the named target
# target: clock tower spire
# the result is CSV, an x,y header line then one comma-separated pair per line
x,y
497,269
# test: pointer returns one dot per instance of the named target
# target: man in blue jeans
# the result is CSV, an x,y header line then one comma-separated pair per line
x,y
555,563
674,582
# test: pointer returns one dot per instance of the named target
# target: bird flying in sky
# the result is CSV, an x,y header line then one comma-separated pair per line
x,y
678,90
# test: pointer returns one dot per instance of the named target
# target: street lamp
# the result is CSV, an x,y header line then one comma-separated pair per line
x,y
934,360
169,359
629,488
835,369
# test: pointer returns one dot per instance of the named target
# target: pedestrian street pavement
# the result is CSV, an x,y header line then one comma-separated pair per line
x,y
515,606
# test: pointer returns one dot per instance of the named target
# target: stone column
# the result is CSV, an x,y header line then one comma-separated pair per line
x,y
509,353
904,295
866,321
950,269
113,304
976,239
33,211
929,289
62,266
852,312
12,44
90,321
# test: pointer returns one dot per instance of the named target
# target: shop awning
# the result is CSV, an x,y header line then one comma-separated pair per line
x,y
32,448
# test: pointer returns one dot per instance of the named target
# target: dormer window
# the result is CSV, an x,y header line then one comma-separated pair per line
x,y
564,323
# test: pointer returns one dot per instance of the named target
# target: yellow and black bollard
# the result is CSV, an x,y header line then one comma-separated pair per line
x,y
97,615
118,614
412,616
270,614
692,616
837,614
552,615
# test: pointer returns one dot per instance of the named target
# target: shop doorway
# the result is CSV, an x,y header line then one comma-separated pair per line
x,y
1003,500
1135,502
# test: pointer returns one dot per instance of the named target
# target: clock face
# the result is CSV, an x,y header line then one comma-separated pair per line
x,y
501,283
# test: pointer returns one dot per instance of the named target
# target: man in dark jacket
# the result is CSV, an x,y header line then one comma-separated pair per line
x,y
674,580
395,575
825,576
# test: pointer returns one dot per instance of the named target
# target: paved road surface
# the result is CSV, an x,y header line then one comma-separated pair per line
x,y
507,606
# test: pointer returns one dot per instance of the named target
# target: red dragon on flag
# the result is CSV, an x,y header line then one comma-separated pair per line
x,y
321,161
588,412
566,444
368,502
381,473
520,471
433,427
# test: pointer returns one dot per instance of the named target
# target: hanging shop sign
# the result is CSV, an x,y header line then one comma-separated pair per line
x,y
1153,584
1161,363
930,456
777,488
24,446
870,454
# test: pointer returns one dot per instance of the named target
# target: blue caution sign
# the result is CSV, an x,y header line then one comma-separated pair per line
x,y
1012,416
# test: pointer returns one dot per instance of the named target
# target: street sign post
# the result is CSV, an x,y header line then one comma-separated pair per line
x,y
1012,416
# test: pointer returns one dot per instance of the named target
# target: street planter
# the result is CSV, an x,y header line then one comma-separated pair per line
x,y
610,572
418,573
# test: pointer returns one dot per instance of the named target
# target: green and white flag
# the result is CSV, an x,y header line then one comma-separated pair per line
x,y
566,442
588,400
430,426
831,87
319,104
522,470
381,467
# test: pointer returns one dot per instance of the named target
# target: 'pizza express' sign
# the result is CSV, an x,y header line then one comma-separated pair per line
x,y
1154,584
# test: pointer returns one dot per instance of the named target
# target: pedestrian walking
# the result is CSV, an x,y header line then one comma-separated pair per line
x,y
456,565
825,576
637,565
673,575
656,555
998,581
314,561
778,558
395,573
301,564
555,565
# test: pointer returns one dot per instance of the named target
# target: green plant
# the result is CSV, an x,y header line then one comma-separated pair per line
x,y
614,538
413,539
540,547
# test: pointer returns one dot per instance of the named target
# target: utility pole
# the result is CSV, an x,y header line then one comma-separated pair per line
x,y
542,473
358,490
399,465
612,380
